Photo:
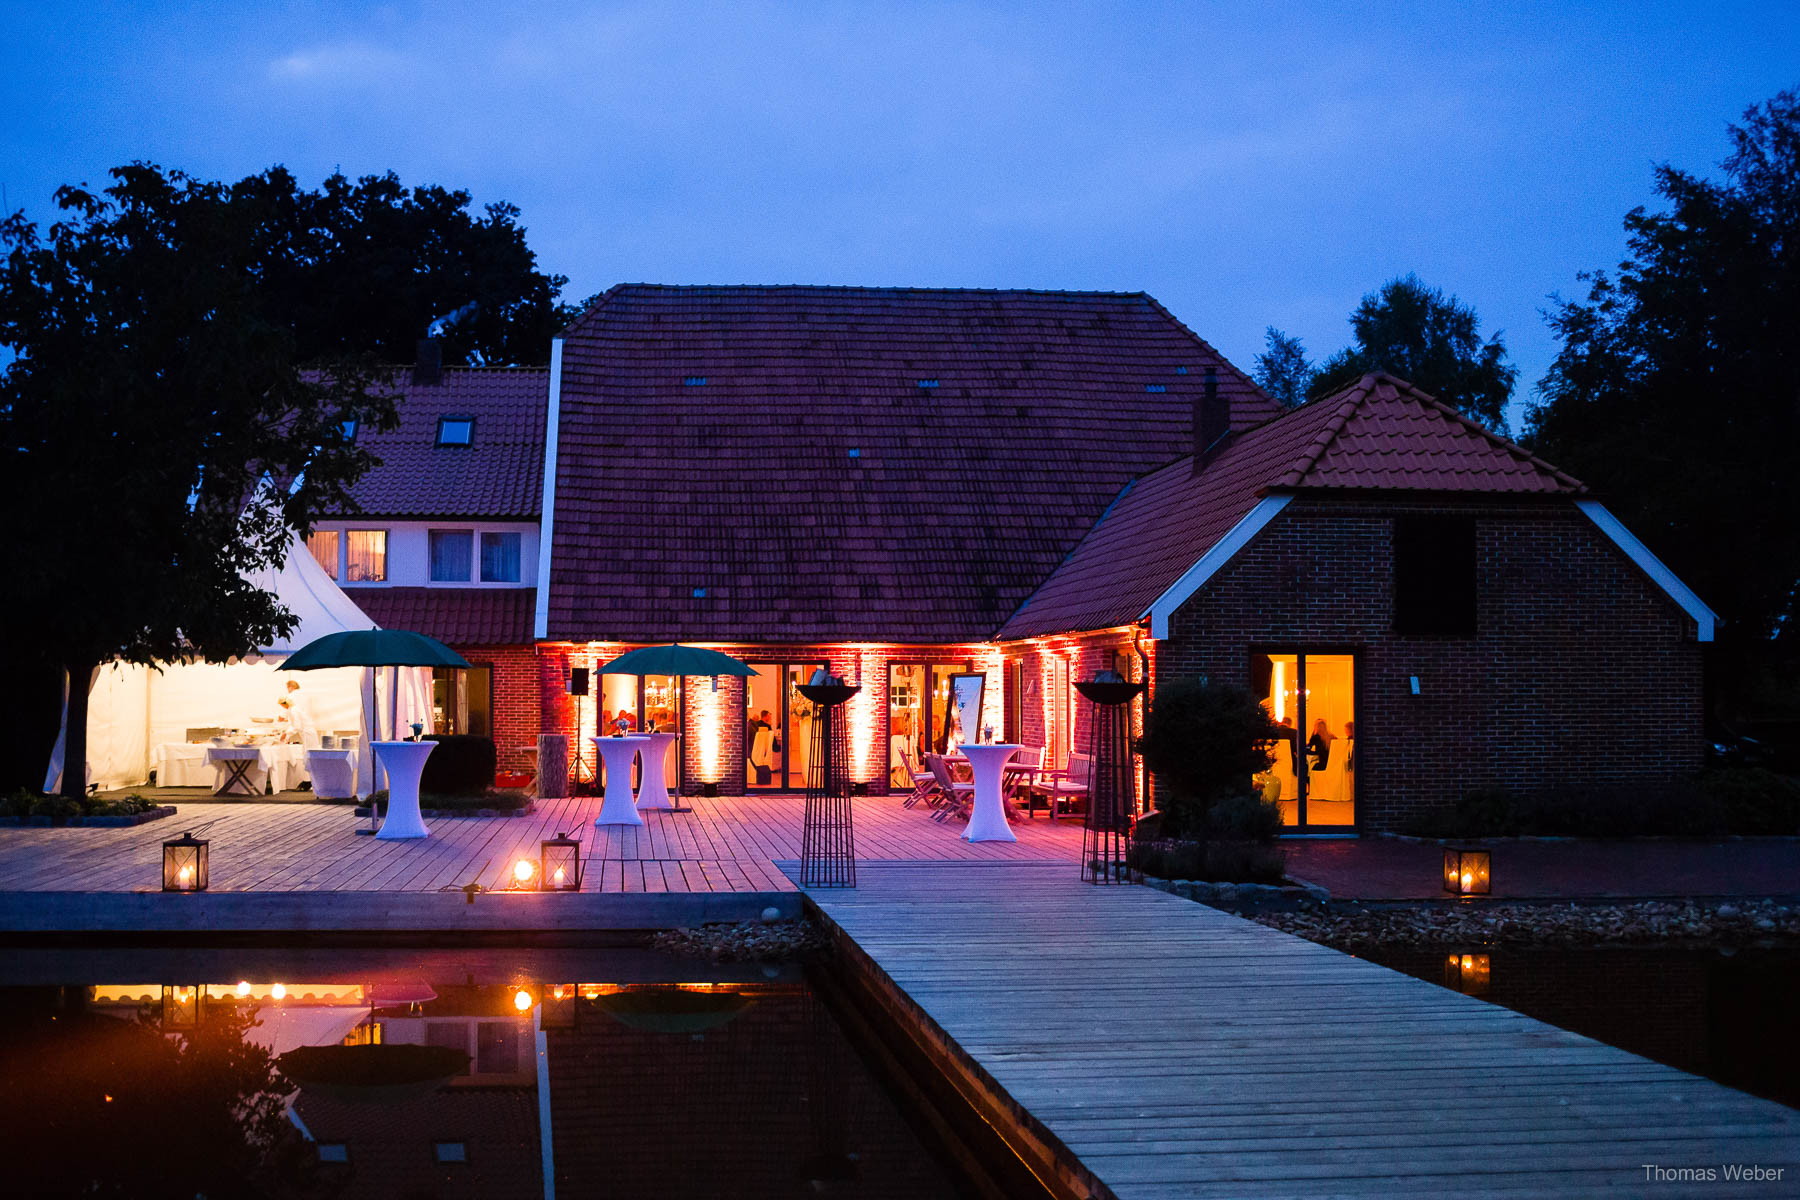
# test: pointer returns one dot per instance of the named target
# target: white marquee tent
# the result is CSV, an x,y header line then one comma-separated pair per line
x,y
134,709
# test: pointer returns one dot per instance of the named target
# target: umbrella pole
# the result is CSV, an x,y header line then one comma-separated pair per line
x,y
371,718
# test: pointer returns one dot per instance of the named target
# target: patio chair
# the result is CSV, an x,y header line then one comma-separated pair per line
x,y
958,799
1020,777
1069,786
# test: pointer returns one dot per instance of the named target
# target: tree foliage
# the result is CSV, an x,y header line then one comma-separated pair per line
x,y
161,439
1431,340
1676,391
1282,369
1202,741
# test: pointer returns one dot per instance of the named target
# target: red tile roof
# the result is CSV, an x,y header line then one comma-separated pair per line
x,y
852,463
500,474
1380,433
456,616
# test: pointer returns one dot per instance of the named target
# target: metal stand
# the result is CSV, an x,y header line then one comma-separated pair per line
x,y
828,841
1112,788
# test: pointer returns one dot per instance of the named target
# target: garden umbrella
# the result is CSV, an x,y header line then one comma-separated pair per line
x,y
679,660
394,648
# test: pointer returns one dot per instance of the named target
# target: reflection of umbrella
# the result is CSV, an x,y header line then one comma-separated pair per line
x,y
394,648
388,1072
671,1010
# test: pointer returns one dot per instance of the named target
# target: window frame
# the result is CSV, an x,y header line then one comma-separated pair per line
x,y
453,419
480,571
386,554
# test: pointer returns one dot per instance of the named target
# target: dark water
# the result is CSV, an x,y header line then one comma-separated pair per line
x,y
609,1073
1726,1015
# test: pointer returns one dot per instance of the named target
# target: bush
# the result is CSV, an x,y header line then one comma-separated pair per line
x,y
1202,741
1217,861
1754,800
60,808
462,765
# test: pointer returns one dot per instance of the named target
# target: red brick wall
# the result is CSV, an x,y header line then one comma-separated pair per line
x,y
1582,669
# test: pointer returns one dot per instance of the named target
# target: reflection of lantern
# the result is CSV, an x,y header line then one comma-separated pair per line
x,y
181,1007
1466,871
559,864
185,864
522,1000
1467,973
558,1008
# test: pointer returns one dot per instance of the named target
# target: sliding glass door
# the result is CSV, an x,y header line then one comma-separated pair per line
x,y
777,726
1312,697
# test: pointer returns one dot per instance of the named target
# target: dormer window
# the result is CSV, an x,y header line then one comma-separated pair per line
x,y
456,431
349,428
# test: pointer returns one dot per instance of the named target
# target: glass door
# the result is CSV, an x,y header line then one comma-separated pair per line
x,y
642,704
1312,697
777,726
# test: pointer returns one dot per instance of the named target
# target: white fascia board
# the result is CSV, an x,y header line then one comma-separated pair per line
x,y
1705,619
1222,552
546,522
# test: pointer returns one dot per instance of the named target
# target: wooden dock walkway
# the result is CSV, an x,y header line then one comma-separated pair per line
x,y
1178,1051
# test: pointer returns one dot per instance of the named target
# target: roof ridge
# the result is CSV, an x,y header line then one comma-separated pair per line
x,y
875,287
1349,401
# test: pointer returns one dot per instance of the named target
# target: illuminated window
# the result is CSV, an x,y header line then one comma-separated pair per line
x,y
456,431
367,559
324,546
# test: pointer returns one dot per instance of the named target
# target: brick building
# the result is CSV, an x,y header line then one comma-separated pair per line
x,y
909,486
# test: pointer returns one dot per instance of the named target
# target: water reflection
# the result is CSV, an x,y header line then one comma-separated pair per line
x,y
437,1074
1725,1015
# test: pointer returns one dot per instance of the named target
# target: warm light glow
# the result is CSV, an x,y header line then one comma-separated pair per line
x,y
185,876
707,705
560,992
522,1000
243,987
523,870
279,991
557,877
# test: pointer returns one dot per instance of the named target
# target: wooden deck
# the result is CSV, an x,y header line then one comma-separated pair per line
x,y
725,845
1178,1051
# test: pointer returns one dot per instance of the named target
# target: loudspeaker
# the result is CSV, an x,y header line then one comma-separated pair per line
x,y
578,681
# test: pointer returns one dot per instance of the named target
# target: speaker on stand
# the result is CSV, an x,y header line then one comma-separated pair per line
x,y
578,687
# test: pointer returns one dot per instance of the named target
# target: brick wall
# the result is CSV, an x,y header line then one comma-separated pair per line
x,y
1582,670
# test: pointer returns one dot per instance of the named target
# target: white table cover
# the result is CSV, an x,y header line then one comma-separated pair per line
x,y
403,762
184,764
616,754
987,818
653,788
333,773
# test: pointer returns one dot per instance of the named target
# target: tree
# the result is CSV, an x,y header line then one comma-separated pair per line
x,y
160,438
369,266
1282,370
1202,741
1432,341
1676,390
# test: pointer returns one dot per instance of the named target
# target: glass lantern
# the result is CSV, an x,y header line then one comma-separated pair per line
x,y
181,1006
185,864
559,864
1466,872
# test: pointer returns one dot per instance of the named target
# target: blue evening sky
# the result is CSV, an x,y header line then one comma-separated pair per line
x,y
1248,164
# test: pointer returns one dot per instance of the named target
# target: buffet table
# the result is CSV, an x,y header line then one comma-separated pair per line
x,y
186,764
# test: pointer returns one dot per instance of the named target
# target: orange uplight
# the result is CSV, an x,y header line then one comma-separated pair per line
x,y
279,991
243,988
522,1000
523,870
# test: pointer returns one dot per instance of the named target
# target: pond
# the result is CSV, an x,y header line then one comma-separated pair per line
x,y
527,1073
1727,1015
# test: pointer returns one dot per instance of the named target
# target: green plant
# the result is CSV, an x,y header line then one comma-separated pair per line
x,y
1219,860
1754,800
462,765
1202,741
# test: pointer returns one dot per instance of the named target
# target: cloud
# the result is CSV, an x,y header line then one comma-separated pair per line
x,y
343,62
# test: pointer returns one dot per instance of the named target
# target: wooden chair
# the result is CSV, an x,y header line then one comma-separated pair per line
x,y
1069,786
1019,779
958,798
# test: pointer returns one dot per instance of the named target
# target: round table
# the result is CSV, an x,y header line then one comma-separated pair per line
x,y
616,754
653,789
987,817
403,762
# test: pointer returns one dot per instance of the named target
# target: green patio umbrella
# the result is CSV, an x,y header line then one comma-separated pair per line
x,y
373,648
676,659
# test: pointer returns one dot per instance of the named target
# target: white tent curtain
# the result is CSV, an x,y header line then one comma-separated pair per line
x,y
132,709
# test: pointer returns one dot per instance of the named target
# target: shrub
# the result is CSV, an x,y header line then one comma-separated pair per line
x,y
1218,861
462,765
1754,800
1203,741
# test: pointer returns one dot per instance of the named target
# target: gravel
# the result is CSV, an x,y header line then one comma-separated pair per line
x,y
1680,922
746,941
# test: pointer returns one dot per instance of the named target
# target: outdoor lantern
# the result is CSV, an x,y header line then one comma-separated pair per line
x,y
523,870
1466,872
522,999
184,864
557,1010
1467,973
559,864
181,1006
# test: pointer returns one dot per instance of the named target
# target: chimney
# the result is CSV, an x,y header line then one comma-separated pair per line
x,y
1212,420
428,362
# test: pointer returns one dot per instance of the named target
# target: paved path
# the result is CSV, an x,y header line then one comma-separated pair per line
x,y
1178,1051
1385,869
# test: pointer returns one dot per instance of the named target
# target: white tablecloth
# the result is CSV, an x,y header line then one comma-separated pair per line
x,y
183,764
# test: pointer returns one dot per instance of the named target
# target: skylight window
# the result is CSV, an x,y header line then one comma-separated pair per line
x,y
1155,387
855,452
928,383
699,593
694,381
349,428
456,431
1181,370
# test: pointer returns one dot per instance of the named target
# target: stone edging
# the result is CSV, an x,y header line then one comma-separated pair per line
x,y
1239,896
155,814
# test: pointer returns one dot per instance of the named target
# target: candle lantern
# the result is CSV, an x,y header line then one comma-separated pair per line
x,y
1112,784
557,1009
185,864
1466,872
1467,973
559,864
181,1007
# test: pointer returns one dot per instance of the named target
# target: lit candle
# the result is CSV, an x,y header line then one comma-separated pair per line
x,y
185,876
558,877
1468,881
